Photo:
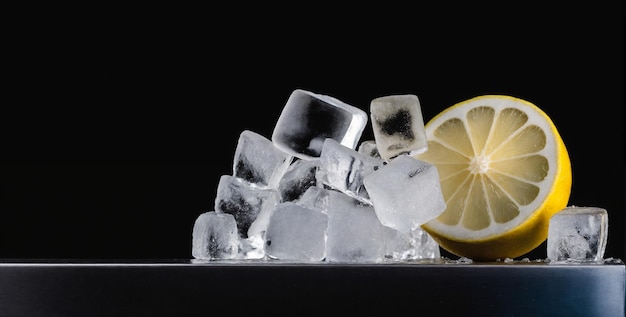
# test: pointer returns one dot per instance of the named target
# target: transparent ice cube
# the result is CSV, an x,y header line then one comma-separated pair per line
x,y
250,205
296,233
252,247
416,244
299,177
343,169
354,233
308,118
398,125
214,236
315,197
368,148
406,193
258,161
578,234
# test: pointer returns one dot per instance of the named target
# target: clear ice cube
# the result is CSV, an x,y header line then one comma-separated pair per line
x,y
252,247
368,148
296,233
398,125
343,169
214,236
308,118
416,244
406,193
299,177
315,197
354,233
578,234
258,161
250,205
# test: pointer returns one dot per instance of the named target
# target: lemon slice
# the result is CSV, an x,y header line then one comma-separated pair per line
x,y
504,171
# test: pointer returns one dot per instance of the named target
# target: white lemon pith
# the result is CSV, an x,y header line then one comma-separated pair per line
x,y
504,171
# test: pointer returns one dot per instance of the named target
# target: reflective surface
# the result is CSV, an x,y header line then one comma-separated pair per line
x,y
193,288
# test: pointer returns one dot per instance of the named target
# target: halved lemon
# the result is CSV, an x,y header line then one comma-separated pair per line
x,y
504,171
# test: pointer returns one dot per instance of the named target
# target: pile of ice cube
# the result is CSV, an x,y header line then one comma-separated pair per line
x,y
309,194
313,193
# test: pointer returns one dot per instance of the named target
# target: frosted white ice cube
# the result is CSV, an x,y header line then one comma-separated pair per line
x,y
214,236
406,193
296,233
308,118
578,234
398,125
258,161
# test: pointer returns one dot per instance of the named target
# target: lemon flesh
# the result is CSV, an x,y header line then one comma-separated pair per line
x,y
504,171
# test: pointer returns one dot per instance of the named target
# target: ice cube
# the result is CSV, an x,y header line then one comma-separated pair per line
x,y
578,234
296,233
343,169
308,118
354,233
406,193
368,148
299,177
250,205
315,197
252,247
416,244
258,161
214,236
398,125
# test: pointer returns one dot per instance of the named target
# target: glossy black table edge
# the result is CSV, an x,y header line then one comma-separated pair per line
x,y
271,262
187,287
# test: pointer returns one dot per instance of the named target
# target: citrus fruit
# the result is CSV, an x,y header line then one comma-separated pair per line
x,y
504,171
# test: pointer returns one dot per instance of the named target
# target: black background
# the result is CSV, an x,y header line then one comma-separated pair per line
x,y
124,121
